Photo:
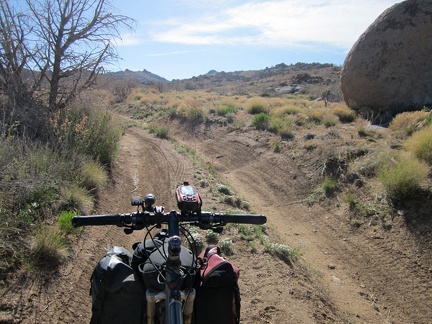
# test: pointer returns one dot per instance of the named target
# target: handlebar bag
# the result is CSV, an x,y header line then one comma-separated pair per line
x,y
152,269
116,290
217,298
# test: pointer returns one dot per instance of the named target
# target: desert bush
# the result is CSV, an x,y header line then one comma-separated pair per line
x,y
330,120
261,121
404,178
282,126
406,123
329,186
256,105
86,132
159,131
223,189
225,109
226,246
344,113
315,115
371,164
211,237
191,111
420,144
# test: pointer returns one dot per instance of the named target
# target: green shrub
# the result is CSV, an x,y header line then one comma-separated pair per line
x,y
404,178
159,131
225,109
329,186
261,121
64,222
420,144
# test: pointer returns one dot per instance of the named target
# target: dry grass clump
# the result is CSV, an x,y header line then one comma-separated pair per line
x,y
257,105
420,144
48,250
406,123
286,110
315,115
93,176
75,197
344,113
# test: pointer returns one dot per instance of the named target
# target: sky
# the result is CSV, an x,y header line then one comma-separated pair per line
x,y
179,39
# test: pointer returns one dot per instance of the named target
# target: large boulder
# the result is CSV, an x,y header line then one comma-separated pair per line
x,y
389,68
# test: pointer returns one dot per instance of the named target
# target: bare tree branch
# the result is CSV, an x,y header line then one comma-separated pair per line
x,y
78,40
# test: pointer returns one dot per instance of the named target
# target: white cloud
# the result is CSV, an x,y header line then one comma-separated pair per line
x,y
169,53
129,40
293,23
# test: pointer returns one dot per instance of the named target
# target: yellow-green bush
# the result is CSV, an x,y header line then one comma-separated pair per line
x,y
404,178
406,123
282,126
257,105
420,144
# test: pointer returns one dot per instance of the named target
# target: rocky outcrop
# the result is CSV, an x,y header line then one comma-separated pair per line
x,y
389,68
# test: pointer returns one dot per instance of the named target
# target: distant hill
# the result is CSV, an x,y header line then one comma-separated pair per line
x,y
312,79
143,76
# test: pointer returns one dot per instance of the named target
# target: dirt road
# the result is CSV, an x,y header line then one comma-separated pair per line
x,y
344,275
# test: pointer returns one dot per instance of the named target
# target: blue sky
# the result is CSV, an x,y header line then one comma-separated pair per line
x,y
184,38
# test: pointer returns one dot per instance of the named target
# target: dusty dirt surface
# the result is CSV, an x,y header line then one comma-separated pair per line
x,y
345,274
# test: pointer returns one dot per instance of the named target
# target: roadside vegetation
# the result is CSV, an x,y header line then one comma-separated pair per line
x,y
46,182
394,166
56,150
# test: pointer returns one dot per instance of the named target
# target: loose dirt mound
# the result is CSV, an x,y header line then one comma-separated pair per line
x,y
344,275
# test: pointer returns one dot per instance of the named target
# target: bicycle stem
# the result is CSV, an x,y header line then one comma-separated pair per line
x,y
172,295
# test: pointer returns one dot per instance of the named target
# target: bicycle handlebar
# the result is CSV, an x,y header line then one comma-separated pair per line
x,y
146,218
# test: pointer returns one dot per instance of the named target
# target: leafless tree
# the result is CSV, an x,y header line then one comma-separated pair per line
x,y
13,53
60,45
73,42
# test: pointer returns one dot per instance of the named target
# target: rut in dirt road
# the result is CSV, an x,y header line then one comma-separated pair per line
x,y
375,279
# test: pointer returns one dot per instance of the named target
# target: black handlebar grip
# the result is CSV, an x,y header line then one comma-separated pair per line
x,y
245,219
114,219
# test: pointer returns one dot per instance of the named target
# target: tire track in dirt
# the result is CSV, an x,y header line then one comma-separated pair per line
x,y
381,271
145,164
372,281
